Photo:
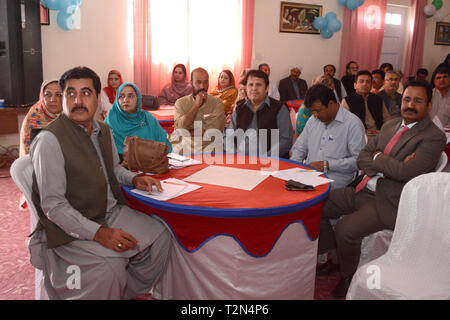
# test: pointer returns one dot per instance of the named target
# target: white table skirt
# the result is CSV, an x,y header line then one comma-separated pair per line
x,y
222,270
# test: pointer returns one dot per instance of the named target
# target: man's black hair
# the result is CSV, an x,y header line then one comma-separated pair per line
x,y
423,84
363,73
81,73
321,93
257,74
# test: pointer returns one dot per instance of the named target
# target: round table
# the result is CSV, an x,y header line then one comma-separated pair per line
x,y
237,244
165,117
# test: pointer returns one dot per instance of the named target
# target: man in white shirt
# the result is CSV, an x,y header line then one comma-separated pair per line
x,y
332,138
273,89
441,96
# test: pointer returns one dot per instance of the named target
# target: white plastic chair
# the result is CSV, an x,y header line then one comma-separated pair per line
x,y
375,245
416,263
22,175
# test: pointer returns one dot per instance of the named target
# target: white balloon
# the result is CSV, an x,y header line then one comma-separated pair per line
x,y
439,16
429,10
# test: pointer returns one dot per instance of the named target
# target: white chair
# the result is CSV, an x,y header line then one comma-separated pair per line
x,y
22,175
442,162
416,263
375,245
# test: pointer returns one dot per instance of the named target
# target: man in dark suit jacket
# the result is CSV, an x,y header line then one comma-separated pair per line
x,y
405,148
292,87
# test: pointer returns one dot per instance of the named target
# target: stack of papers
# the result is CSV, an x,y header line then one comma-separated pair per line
x,y
305,176
172,188
178,161
228,177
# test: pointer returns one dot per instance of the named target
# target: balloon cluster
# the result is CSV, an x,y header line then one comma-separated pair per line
x,y
431,10
328,25
66,8
351,4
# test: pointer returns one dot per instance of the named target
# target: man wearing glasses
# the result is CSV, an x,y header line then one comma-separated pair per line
x,y
405,148
391,98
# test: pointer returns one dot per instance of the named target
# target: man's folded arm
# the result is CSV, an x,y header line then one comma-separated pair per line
x,y
425,159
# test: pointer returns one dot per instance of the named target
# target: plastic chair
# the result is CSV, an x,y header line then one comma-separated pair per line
x,y
416,263
375,245
22,175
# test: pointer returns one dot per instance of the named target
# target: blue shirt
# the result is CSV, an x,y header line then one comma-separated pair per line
x,y
339,143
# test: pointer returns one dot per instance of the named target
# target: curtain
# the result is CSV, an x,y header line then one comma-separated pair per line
x,y
414,53
362,35
141,35
213,34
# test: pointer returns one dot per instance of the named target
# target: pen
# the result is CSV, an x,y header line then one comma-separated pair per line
x,y
174,183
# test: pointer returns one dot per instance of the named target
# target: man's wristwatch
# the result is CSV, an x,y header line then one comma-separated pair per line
x,y
325,167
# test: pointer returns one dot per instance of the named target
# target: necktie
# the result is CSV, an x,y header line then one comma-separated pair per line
x,y
387,151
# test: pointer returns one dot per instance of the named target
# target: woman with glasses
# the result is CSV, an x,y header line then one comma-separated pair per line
x,y
42,113
127,118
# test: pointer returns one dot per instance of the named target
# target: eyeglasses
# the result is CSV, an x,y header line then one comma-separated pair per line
x,y
393,79
417,101
130,96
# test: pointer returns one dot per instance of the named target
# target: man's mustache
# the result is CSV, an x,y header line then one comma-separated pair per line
x,y
409,109
79,107
198,91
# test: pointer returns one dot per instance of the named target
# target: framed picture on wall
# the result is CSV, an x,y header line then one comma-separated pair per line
x,y
299,17
442,36
45,16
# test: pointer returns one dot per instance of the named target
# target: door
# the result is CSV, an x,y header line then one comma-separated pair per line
x,y
395,35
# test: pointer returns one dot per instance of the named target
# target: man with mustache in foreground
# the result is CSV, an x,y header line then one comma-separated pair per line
x,y
89,243
404,148
195,114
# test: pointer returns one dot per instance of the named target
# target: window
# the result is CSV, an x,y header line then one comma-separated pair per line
x,y
393,18
197,33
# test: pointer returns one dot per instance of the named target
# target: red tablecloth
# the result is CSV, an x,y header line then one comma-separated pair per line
x,y
165,118
255,219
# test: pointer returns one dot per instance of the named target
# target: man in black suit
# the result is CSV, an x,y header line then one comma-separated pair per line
x,y
292,87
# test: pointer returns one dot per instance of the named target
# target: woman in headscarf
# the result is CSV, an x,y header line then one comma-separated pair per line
x,y
179,87
42,113
127,118
108,95
226,90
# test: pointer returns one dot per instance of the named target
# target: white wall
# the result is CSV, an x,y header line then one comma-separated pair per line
x,y
101,43
282,51
434,54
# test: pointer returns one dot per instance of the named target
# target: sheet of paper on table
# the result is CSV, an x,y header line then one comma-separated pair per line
x,y
305,176
228,177
179,161
172,188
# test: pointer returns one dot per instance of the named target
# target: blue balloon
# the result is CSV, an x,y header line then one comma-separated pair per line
x,y
352,4
320,23
326,33
66,21
360,2
330,16
51,4
343,2
334,25
69,6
